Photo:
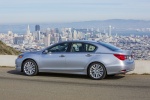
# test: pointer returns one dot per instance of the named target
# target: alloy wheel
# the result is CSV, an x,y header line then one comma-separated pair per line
x,y
30,68
97,71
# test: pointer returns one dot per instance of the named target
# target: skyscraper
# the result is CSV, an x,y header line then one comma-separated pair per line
x,y
47,39
109,33
28,30
39,35
37,27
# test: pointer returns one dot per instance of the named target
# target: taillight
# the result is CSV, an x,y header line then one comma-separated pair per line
x,y
120,56
132,56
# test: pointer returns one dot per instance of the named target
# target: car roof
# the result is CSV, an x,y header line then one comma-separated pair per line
x,y
85,41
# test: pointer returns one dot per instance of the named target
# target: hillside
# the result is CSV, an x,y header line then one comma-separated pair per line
x,y
7,50
118,23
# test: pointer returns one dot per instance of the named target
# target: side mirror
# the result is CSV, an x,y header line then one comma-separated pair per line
x,y
45,52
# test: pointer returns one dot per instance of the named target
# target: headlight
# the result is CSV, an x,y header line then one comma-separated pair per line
x,y
20,56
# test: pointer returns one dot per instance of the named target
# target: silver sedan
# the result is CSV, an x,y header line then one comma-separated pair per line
x,y
95,59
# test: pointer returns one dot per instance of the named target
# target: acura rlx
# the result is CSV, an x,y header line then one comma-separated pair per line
x,y
95,59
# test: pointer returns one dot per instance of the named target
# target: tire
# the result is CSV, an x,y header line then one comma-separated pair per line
x,y
97,71
30,68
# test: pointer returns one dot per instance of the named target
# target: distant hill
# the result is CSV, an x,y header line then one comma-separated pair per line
x,y
116,23
7,50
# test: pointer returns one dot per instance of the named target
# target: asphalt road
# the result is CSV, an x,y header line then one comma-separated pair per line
x,y
47,86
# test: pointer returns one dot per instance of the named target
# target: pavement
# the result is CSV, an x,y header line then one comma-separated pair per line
x,y
48,86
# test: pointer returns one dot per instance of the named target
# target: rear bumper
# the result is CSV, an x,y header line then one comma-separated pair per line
x,y
121,68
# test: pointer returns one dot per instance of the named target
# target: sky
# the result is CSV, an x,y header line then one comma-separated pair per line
x,y
58,11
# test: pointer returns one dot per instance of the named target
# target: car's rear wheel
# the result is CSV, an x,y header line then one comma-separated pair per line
x,y
30,68
97,71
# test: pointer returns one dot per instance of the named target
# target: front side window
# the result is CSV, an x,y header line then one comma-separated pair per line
x,y
59,48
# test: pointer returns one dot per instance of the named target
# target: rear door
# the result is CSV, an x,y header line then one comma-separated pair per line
x,y
79,56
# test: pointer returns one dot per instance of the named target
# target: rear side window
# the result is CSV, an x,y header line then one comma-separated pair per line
x,y
77,47
82,47
90,48
109,46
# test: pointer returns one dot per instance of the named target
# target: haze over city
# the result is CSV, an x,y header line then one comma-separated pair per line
x,y
56,11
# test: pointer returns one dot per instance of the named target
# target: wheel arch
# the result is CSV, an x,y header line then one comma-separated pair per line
x,y
95,62
25,61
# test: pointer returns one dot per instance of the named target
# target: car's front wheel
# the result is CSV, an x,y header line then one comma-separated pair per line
x,y
97,71
30,68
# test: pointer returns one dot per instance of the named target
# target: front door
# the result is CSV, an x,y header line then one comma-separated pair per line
x,y
55,59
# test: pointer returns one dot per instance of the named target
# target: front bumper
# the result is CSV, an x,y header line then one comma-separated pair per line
x,y
18,63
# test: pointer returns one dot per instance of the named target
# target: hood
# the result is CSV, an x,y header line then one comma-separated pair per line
x,y
35,52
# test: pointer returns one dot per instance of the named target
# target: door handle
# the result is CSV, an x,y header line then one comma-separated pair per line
x,y
61,56
88,55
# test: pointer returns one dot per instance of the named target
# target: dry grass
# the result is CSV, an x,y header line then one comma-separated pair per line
x,y
145,74
133,74
7,50
139,74
7,67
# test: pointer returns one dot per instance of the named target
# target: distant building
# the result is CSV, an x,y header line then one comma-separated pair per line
x,y
56,30
18,40
109,33
47,40
10,33
75,35
28,30
39,35
37,27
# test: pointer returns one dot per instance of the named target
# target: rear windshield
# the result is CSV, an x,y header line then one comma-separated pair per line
x,y
109,46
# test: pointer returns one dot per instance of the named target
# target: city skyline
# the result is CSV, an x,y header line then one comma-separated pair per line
x,y
38,40
36,11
